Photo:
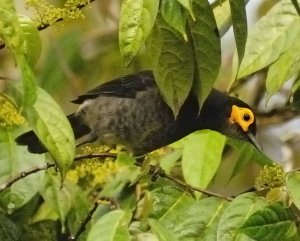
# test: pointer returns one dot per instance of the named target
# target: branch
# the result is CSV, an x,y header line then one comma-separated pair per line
x,y
25,174
47,166
44,26
108,201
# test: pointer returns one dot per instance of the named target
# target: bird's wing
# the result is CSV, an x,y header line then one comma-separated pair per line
x,y
123,87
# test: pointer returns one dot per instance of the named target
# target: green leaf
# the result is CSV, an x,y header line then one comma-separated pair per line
x,y
32,41
57,196
168,162
161,232
272,35
111,227
174,15
222,15
236,214
188,219
199,162
136,21
296,5
247,153
287,65
292,186
12,34
170,203
174,67
239,23
204,218
273,222
9,231
44,212
52,128
188,6
207,48
14,160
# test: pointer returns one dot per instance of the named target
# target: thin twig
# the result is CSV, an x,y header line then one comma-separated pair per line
x,y
197,189
25,174
44,26
111,202
94,155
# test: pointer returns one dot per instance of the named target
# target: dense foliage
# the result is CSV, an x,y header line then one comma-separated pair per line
x,y
103,193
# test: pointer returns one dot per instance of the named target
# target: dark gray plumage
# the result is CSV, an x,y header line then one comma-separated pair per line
x,y
131,111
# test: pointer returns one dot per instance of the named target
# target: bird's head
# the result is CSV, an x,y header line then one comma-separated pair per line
x,y
229,116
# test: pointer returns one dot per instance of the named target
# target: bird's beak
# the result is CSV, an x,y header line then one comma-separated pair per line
x,y
254,141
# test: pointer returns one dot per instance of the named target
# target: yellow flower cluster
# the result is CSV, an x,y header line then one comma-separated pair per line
x,y
48,14
270,177
9,115
94,172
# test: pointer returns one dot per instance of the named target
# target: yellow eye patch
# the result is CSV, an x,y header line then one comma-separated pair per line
x,y
244,117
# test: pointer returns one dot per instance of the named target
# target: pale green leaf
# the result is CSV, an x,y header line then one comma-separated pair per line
x,y
201,157
287,65
296,5
273,222
168,161
236,214
136,21
14,160
52,128
15,39
111,227
161,232
44,212
247,153
174,67
32,41
189,6
174,15
292,186
58,196
207,48
273,34
239,23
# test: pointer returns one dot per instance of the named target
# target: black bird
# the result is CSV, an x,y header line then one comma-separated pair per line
x,y
131,111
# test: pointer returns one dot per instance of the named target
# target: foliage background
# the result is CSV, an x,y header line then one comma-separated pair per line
x,y
82,53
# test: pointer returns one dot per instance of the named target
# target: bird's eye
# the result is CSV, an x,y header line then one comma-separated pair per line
x,y
246,117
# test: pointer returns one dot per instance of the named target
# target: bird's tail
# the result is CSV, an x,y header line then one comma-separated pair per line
x,y
34,145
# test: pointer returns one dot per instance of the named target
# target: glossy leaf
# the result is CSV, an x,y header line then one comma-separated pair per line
x,y
272,35
239,23
52,128
136,21
236,214
287,65
174,15
199,162
292,186
111,227
207,48
174,67
14,160
273,222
